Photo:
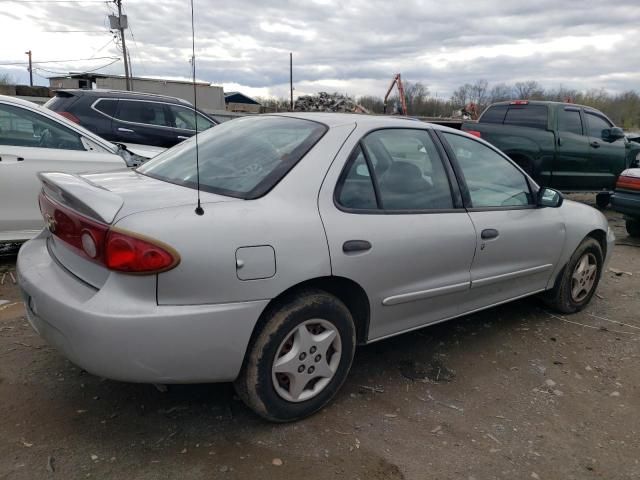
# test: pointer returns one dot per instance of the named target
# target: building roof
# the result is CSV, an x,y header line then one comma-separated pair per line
x,y
237,97
93,76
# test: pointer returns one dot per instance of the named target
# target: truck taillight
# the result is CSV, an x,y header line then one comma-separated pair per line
x,y
519,102
113,248
475,133
628,183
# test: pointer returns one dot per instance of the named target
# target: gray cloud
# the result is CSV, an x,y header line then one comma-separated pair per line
x,y
356,46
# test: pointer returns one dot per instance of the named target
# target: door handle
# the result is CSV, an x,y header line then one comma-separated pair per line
x,y
127,130
560,141
489,233
20,159
182,137
595,144
352,246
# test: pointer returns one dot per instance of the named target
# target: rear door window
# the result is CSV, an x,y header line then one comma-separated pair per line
x,y
355,190
405,168
569,121
107,106
534,116
146,113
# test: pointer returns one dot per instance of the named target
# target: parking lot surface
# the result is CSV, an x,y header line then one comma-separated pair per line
x,y
516,391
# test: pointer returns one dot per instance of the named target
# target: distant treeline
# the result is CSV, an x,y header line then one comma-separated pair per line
x,y
623,108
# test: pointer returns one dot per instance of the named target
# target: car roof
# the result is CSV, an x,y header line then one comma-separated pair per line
x,y
105,92
539,102
331,119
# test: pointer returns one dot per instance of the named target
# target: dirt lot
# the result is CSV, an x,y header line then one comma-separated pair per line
x,y
512,392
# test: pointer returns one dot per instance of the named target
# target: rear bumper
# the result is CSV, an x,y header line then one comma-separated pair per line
x,y
119,331
626,203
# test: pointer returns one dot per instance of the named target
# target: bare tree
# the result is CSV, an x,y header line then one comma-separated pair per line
x,y
6,79
529,90
462,95
372,103
500,92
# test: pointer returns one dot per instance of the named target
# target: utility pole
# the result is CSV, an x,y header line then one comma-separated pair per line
x,y
30,68
291,81
122,24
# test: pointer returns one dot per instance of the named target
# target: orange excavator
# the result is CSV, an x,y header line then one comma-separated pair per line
x,y
397,81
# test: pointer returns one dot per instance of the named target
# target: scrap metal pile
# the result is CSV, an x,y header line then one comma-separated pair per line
x,y
327,102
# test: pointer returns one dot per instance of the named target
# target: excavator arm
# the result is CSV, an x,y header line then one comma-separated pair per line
x,y
397,81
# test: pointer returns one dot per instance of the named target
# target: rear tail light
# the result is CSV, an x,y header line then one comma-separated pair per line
x,y
519,102
132,254
626,182
69,116
113,248
475,133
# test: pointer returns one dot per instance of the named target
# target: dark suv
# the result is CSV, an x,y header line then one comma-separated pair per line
x,y
131,117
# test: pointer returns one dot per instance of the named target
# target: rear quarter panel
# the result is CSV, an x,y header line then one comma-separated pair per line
x,y
287,219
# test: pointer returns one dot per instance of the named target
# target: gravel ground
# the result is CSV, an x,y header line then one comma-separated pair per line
x,y
512,392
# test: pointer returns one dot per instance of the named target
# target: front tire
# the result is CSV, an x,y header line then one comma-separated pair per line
x,y
299,358
633,228
579,280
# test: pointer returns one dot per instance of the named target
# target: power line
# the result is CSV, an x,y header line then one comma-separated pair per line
x,y
80,73
75,31
6,64
101,48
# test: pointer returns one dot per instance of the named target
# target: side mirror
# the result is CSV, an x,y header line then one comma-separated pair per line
x,y
612,134
548,197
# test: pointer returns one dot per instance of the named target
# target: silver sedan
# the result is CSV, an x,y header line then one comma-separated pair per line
x,y
314,233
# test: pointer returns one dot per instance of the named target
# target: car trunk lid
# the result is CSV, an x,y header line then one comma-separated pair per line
x,y
105,198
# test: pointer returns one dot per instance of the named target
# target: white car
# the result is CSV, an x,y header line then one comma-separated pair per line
x,y
34,139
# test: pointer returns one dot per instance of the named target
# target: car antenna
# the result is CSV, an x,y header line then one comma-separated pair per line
x,y
199,210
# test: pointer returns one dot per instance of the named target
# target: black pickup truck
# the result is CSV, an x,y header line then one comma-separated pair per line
x,y
561,145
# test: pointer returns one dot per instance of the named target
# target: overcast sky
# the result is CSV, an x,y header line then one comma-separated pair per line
x,y
352,47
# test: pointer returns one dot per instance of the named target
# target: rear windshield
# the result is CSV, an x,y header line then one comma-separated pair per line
x,y
534,116
59,102
494,114
241,158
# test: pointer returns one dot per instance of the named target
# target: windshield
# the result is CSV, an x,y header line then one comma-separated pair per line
x,y
242,158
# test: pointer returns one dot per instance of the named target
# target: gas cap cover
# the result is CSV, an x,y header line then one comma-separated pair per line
x,y
256,262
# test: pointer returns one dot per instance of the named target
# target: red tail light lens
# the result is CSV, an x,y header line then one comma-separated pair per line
x,y
69,116
475,133
628,183
131,254
519,102
115,249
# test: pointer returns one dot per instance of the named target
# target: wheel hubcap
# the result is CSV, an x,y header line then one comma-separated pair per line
x,y
584,277
306,360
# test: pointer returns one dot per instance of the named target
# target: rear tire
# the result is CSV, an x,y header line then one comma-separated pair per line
x,y
579,280
633,228
299,358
